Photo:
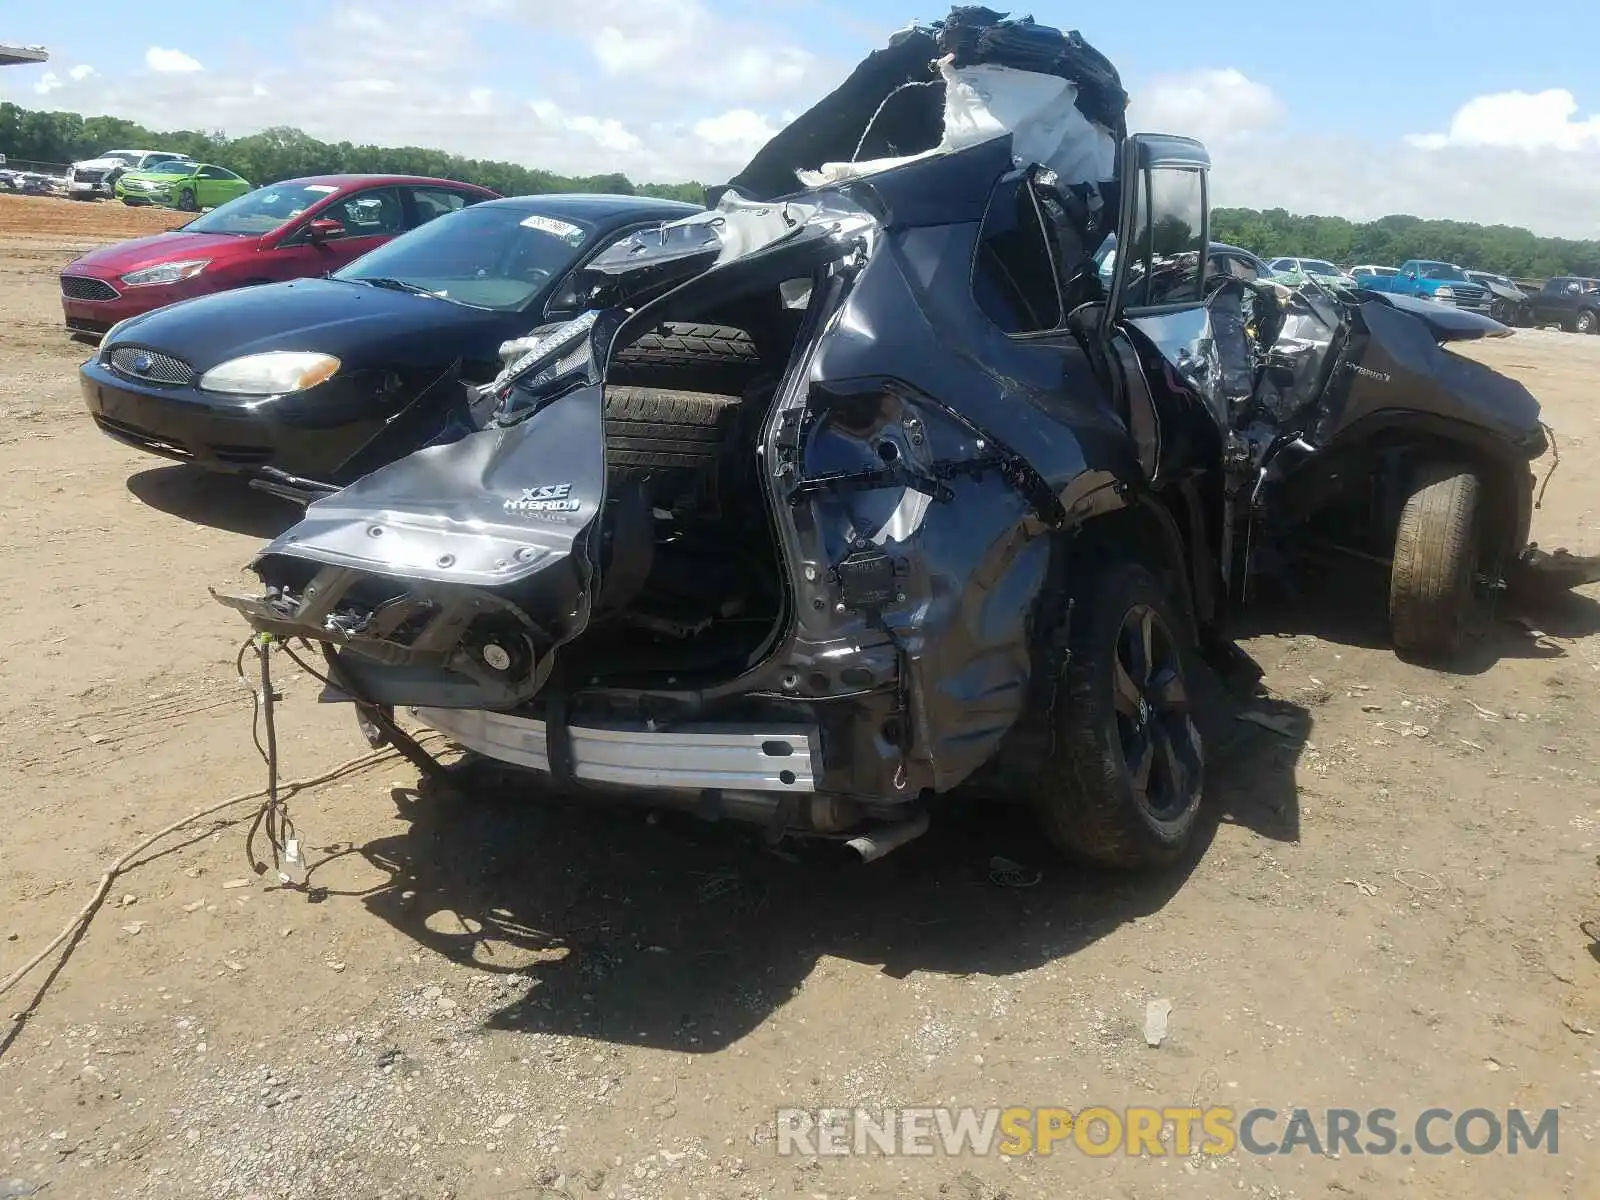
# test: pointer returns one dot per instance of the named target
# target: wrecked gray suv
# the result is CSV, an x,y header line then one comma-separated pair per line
x,y
908,501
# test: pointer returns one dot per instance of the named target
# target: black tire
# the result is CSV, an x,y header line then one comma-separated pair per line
x,y
1587,322
1432,581
665,427
713,358
186,201
1111,721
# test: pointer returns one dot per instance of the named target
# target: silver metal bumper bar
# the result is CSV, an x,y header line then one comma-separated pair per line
x,y
728,757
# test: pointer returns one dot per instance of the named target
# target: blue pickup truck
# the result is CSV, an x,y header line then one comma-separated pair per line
x,y
1429,280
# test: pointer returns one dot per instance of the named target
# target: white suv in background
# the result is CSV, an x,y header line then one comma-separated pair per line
x,y
98,176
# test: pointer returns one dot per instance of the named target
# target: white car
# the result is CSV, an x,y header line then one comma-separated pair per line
x,y
1372,271
1318,267
98,176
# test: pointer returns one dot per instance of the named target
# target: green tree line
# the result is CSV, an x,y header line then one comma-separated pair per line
x,y
284,153
1390,241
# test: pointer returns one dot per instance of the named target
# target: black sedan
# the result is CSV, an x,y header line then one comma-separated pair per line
x,y
310,384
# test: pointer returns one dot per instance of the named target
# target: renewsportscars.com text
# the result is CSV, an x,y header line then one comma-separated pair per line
x,y
1099,1131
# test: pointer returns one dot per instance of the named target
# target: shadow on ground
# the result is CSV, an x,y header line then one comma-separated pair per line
x,y
220,501
1348,607
655,929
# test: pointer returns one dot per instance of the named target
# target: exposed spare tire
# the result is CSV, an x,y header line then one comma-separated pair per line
x,y
717,358
665,427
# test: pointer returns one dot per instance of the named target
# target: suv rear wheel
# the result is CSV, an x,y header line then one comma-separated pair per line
x,y
1587,322
1122,781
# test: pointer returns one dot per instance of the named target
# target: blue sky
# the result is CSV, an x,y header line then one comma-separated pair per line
x,y
1445,109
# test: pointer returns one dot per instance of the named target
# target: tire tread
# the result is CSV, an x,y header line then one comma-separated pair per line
x,y
1430,583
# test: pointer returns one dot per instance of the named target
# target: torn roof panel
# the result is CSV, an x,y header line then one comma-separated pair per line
x,y
12,56
935,89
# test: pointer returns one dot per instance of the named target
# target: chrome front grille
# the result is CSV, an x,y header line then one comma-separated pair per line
x,y
151,366
84,287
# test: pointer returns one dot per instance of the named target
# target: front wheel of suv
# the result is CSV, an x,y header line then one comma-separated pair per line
x,y
1122,782
1432,579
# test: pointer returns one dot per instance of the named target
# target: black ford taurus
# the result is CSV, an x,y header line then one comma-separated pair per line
x,y
312,383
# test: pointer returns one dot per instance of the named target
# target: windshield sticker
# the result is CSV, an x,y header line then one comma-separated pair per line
x,y
320,187
564,230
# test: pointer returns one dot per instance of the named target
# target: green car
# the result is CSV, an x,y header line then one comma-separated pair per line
x,y
183,185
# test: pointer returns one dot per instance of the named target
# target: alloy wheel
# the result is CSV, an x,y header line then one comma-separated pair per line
x,y
1156,734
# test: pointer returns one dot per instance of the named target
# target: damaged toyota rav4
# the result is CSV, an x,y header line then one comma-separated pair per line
x,y
925,504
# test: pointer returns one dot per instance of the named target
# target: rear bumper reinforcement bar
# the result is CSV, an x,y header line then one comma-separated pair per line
x,y
731,757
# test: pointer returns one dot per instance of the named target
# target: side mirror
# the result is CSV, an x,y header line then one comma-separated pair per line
x,y
1142,154
321,230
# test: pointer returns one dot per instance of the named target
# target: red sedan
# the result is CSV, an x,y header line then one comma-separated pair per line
x,y
289,230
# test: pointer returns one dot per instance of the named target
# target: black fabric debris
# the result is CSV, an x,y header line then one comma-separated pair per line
x,y
974,35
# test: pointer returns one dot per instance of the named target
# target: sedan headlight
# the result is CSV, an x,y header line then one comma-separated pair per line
x,y
270,374
166,272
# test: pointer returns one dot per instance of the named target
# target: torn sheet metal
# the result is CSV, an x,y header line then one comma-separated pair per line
x,y
939,88
983,102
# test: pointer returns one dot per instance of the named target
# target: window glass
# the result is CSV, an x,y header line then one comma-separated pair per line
x,y
373,213
434,202
1014,277
1169,229
262,210
499,257
1242,268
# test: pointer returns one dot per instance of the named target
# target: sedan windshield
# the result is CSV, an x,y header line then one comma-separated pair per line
x,y
483,257
170,167
1315,266
262,210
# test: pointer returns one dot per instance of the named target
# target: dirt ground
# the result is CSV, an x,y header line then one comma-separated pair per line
x,y
503,997
69,220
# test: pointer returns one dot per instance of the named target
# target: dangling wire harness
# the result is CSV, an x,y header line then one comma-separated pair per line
x,y
272,818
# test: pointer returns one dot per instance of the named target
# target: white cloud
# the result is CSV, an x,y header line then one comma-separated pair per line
x,y
738,127
1513,159
607,134
405,72
1212,105
677,47
47,83
1520,120
80,72
170,62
